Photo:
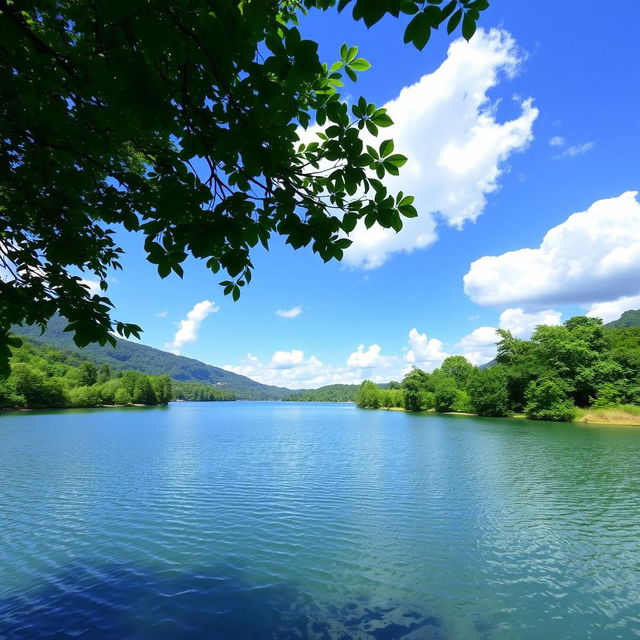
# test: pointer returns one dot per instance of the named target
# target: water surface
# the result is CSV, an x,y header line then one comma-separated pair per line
x,y
287,520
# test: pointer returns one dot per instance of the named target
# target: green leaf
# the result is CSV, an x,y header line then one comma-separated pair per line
x,y
397,160
418,30
381,119
468,27
386,148
360,64
454,21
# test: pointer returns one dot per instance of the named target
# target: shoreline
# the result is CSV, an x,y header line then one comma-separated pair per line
x,y
585,418
97,406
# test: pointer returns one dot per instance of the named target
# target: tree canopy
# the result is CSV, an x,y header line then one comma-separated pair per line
x,y
181,120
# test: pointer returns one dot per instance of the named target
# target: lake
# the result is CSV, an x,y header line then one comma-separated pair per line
x,y
293,520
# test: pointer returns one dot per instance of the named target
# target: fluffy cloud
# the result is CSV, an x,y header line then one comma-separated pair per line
x,y
609,311
447,127
361,359
424,351
293,370
557,141
287,359
303,373
594,256
294,312
189,327
522,324
479,346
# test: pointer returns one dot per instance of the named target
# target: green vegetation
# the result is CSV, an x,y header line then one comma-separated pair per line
x,y
132,355
106,106
43,377
562,373
199,392
371,396
328,393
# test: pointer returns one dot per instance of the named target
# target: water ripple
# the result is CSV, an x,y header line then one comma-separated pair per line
x,y
279,521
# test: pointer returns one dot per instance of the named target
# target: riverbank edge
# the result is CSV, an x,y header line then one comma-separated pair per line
x,y
97,406
583,418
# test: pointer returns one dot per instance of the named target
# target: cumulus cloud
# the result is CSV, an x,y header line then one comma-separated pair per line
x,y
189,327
612,310
302,373
479,346
287,359
426,352
522,324
447,127
294,312
577,150
367,359
594,256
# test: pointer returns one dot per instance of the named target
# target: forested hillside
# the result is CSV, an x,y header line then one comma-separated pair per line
x,y
629,318
132,355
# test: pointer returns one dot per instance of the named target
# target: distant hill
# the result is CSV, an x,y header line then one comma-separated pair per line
x,y
132,355
328,393
628,319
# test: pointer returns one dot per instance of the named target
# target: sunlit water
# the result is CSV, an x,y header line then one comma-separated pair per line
x,y
283,520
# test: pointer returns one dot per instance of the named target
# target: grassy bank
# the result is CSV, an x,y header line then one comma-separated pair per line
x,y
623,415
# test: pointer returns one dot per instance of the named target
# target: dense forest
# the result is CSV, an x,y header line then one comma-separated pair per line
x,y
45,377
560,370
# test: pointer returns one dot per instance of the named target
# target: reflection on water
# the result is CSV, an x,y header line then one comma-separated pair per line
x,y
274,520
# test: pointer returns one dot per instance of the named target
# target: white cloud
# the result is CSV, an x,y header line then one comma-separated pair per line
x,y
287,359
447,127
557,141
612,310
361,359
522,324
189,327
479,346
294,312
577,150
594,256
424,351
162,314
308,373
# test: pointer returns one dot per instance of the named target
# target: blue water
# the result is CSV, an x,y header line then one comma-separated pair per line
x,y
287,520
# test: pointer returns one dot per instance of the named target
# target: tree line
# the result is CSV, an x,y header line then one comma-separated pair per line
x,y
578,365
44,377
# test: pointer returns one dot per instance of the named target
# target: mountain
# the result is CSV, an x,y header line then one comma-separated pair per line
x,y
133,355
628,319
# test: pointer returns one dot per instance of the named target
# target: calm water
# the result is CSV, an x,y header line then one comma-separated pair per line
x,y
276,520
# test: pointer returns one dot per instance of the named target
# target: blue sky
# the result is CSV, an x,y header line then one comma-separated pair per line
x,y
535,120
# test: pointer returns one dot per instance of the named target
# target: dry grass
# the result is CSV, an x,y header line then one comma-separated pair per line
x,y
623,414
